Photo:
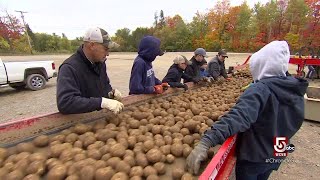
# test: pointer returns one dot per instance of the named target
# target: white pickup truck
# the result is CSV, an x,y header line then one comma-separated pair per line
x,y
30,74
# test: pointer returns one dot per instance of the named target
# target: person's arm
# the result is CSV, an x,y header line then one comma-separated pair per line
x,y
69,99
156,80
239,119
241,116
136,85
224,73
214,70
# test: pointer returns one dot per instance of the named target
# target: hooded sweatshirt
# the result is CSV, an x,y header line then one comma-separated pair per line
x,y
271,107
142,79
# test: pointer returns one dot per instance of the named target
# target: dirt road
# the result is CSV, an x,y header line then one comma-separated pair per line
x,y
304,163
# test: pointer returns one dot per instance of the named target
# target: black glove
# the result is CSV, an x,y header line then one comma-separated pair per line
x,y
197,155
185,87
196,80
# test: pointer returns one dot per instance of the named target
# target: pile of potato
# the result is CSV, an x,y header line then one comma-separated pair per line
x,y
139,143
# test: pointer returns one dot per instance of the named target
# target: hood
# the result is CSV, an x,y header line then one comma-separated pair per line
x,y
287,89
270,61
149,48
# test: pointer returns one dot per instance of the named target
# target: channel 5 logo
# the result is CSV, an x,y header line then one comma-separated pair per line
x,y
281,146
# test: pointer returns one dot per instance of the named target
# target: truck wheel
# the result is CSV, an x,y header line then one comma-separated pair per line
x,y
36,82
18,86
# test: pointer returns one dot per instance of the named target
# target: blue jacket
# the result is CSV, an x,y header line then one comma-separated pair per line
x,y
269,108
142,79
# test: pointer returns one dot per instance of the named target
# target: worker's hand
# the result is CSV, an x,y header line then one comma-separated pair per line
x,y
228,79
197,155
195,80
165,86
111,104
185,87
115,94
158,89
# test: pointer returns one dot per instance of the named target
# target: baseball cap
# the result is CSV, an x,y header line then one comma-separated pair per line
x,y
201,52
101,36
223,53
181,59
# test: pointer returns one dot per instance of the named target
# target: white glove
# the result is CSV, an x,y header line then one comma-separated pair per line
x,y
115,94
113,105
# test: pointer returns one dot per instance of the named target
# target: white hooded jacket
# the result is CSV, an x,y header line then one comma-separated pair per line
x,y
270,61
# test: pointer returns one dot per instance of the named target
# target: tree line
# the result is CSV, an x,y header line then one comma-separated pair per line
x,y
235,28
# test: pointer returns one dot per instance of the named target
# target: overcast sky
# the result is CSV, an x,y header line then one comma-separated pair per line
x,y
74,17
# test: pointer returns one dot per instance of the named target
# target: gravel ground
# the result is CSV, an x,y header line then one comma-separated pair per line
x,y
304,163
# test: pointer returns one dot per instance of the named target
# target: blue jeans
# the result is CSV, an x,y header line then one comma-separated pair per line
x,y
246,170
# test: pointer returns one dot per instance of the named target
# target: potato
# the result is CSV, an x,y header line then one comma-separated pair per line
x,y
187,176
188,139
14,175
130,160
41,141
73,177
89,140
132,140
149,170
25,147
136,178
154,155
120,176
21,165
100,164
134,124
160,167
3,172
56,150
141,160
153,177
71,138
79,157
177,172
104,173
99,125
37,157
170,158
59,137
177,149
106,157
87,173
81,128
20,156
186,151
166,149
104,149
36,167
32,177
123,166
117,150
94,153
3,153
136,171
168,140
148,144
113,162
159,142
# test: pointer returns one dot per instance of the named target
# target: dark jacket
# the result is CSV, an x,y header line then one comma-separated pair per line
x,y
193,70
174,75
269,108
216,68
142,79
81,84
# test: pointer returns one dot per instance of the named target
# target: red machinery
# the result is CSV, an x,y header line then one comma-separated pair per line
x,y
302,62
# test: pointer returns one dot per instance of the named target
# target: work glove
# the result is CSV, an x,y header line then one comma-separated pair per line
x,y
115,94
165,86
197,155
111,104
158,89
184,86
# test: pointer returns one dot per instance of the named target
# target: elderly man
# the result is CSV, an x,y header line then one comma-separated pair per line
x,y
216,67
83,84
271,107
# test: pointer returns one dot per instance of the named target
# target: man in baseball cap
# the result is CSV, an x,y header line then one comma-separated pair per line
x,y
196,62
83,84
101,36
216,66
